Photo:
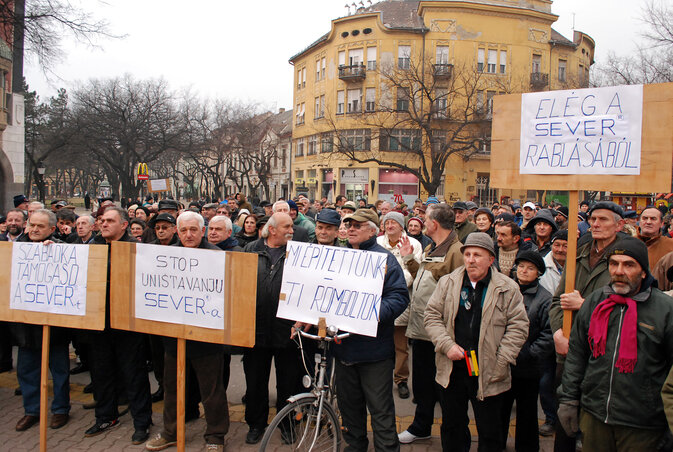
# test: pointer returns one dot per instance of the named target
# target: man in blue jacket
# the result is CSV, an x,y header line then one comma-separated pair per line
x,y
364,365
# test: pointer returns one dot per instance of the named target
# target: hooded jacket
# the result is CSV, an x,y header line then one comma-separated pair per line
x,y
539,345
622,399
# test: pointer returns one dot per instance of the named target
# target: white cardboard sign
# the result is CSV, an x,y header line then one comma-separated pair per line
x,y
343,285
584,131
49,278
180,285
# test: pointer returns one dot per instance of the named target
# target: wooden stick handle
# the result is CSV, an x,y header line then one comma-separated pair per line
x,y
44,385
181,365
571,257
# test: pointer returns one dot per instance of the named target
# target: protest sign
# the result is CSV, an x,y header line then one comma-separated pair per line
x,y
343,285
584,131
180,285
49,278
159,185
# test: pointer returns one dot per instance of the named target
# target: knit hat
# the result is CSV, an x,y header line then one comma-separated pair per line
x,y
19,199
396,216
533,257
635,248
415,219
431,200
561,234
292,204
563,210
480,239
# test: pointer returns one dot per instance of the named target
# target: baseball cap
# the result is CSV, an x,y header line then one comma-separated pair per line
x,y
363,215
167,217
529,204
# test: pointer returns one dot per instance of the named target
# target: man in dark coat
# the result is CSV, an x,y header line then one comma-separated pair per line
x,y
220,229
272,334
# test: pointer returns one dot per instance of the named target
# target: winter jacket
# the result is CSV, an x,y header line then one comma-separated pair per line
x,y
305,223
424,239
243,239
194,349
270,331
659,272
552,275
657,247
230,244
502,333
539,346
464,229
587,280
622,399
394,300
435,263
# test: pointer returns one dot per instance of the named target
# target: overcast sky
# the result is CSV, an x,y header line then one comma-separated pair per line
x,y
224,48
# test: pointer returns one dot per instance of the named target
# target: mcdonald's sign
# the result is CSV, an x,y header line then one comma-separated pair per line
x,y
143,172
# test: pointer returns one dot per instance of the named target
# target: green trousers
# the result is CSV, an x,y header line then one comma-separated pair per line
x,y
601,437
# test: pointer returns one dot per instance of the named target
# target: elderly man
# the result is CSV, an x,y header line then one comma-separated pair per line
x,y
84,228
385,208
33,206
327,227
463,225
208,211
272,334
436,261
300,233
29,339
118,354
206,359
391,240
16,222
219,234
477,322
169,206
621,350
364,365
651,222
165,229
591,274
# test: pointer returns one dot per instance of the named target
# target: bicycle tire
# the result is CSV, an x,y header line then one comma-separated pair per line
x,y
294,428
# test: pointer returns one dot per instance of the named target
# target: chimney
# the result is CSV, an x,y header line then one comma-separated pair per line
x,y
281,110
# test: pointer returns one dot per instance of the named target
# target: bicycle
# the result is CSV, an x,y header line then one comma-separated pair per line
x,y
309,421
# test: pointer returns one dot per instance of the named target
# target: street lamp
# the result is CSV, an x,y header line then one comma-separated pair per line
x,y
41,169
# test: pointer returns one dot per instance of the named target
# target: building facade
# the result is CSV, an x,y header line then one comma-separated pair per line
x,y
394,102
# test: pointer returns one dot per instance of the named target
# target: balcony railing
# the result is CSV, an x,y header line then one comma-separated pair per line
x,y
539,80
355,72
442,71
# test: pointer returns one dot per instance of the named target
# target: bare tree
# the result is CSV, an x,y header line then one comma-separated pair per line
x,y
425,115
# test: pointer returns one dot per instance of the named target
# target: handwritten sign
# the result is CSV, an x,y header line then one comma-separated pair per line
x,y
341,284
49,278
584,131
180,285
159,185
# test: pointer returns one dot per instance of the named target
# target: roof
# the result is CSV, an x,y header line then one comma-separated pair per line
x,y
558,38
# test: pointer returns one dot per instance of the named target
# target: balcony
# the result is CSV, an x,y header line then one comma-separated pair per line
x,y
539,81
442,71
353,73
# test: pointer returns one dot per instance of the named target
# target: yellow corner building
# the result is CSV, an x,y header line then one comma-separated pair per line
x,y
394,102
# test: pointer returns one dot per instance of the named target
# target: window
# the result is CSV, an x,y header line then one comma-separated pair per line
x,y
299,174
301,110
326,143
357,139
322,106
340,103
441,102
404,57
489,103
371,58
370,99
537,63
298,78
442,55
503,61
480,102
438,140
480,60
561,70
492,61
317,70
404,140
355,57
342,58
354,100
403,99
323,63
300,150
312,145
316,109
303,78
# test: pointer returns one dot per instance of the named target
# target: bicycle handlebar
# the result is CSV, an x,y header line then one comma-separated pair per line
x,y
337,337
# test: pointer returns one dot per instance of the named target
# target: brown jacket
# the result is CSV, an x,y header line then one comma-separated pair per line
x,y
659,271
503,330
444,259
657,247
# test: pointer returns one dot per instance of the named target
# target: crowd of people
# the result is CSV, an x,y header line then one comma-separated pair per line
x,y
471,311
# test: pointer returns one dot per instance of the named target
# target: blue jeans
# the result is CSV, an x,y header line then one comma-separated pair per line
x,y
28,373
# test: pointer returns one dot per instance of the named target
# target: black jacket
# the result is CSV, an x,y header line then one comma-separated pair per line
x,y
300,234
175,239
270,331
539,346
243,239
230,244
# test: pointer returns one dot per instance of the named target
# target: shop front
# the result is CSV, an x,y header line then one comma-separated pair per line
x,y
354,183
397,186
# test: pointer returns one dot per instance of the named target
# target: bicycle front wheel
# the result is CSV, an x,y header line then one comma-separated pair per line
x,y
299,426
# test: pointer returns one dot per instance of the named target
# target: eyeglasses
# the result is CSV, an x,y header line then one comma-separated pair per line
x,y
161,228
354,225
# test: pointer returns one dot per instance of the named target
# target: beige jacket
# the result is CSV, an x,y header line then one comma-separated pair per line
x,y
503,331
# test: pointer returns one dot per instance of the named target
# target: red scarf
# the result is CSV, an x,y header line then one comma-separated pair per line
x,y
628,338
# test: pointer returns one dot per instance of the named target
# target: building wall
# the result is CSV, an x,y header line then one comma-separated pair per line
x,y
522,35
